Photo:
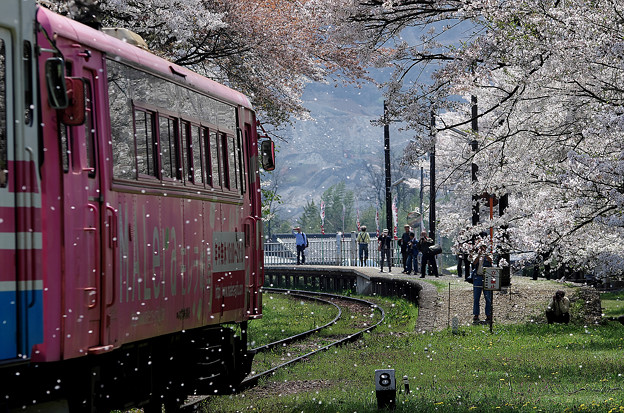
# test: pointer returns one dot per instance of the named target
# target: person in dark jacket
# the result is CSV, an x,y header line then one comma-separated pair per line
x,y
428,258
481,261
412,257
403,241
385,248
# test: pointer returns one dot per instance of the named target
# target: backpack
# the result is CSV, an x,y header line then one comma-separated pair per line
x,y
305,238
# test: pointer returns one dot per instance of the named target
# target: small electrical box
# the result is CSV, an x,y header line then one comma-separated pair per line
x,y
385,387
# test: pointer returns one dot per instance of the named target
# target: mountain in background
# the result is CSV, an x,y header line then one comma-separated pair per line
x,y
340,144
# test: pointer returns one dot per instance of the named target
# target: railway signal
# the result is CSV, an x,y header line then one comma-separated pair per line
x,y
385,388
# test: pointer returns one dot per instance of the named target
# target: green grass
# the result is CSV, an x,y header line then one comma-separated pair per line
x,y
277,324
612,304
525,368
439,285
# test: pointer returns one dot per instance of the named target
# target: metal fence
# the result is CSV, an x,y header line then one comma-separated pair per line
x,y
341,251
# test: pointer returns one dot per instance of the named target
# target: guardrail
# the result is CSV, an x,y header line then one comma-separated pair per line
x,y
341,251
325,251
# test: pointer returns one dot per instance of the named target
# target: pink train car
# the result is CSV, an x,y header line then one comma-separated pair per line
x,y
130,233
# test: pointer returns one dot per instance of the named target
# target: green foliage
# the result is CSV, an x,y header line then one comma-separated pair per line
x,y
310,220
338,205
367,217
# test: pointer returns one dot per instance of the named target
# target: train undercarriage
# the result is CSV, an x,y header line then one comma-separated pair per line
x,y
149,374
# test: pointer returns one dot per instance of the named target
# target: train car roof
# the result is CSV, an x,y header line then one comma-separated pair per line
x,y
114,47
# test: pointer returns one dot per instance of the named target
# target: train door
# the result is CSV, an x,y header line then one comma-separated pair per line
x,y
84,211
253,224
21,286
8,275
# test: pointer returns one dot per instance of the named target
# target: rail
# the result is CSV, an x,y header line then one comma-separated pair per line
x,y
253,380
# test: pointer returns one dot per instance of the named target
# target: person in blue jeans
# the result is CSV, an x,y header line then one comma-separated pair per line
x,y
483,260
301,240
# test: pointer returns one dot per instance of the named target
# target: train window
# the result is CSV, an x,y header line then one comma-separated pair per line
x,y
122,130
89,129
28,84
239,160
169,149
196,170
208,156
205,136
139,86
64,133
146,145
232,163
64,142
3,122
214,159
225,161
185,131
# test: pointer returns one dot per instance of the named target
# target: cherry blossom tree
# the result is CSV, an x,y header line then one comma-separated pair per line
x,y
548,79
268,50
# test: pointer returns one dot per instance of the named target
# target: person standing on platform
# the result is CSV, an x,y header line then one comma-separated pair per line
x,y
412,257
363,239
301,240
403,241
428,258
384,247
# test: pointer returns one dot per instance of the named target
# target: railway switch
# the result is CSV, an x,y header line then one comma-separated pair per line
x,y
385,387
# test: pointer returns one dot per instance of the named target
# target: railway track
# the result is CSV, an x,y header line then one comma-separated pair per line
x,y
316,344
309,340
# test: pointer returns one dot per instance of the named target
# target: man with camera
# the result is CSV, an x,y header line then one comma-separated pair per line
x,y
558,310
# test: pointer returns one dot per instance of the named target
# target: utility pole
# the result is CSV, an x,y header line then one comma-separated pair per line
x,y
421,199
388,177
475,147
432,190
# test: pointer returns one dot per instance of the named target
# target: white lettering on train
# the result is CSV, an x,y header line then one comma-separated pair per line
x,y
229,291
144,278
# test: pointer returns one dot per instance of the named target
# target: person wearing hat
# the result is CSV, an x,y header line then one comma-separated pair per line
x,y
301,240
403,243
363,239
385,248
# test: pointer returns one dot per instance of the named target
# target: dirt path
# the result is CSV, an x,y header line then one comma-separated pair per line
x,y
447,297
